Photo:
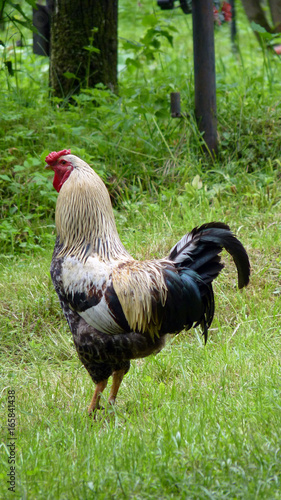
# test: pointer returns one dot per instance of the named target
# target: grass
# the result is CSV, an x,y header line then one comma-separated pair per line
x,y
192,422
195,421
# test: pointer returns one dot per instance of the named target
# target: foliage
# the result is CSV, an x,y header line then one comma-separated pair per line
x,y
148,49
130,138
193,422
13,16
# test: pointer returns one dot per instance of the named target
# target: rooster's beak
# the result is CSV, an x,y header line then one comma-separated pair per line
x,y
48,167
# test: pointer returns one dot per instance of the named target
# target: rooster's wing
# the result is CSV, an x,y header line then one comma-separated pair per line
x,y
157,298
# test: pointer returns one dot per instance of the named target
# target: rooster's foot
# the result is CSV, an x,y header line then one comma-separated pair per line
x,y
95,403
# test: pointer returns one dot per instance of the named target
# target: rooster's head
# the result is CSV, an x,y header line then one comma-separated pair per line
x,y
84,216
62,163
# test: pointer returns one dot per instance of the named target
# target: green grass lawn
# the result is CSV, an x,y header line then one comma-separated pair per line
x,y
195,421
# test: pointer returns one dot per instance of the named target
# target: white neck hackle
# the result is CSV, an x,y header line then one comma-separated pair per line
x,y
84,217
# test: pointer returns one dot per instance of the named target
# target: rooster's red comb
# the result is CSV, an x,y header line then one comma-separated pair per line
x,y
55,155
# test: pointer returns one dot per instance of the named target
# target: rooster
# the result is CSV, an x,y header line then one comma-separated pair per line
x,y
119,308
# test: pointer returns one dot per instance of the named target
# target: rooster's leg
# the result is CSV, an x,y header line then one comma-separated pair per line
x,y
95,403
116,382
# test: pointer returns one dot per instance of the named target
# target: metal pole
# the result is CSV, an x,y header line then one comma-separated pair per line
x,y
233,22
175,98
204,71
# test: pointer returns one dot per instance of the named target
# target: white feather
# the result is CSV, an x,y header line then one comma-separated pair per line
x,y
100,317
187,239
80,277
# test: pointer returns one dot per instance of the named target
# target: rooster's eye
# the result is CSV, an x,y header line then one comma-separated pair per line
x,y
63,162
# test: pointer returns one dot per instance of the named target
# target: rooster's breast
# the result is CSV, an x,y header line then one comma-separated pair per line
x,y
88,290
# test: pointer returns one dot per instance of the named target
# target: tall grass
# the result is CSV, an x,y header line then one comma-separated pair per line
x,y
131,139
192,422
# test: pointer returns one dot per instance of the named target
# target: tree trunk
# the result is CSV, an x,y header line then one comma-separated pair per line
x,y
275,9
77,24
255,12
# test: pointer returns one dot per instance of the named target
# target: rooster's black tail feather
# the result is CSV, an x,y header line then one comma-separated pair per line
x,y
199,250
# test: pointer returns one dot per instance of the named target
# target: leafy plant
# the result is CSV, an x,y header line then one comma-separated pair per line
x,y
149,47
130,138
25,195
12,14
